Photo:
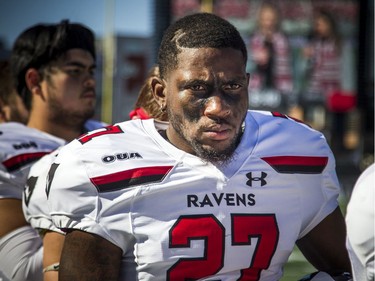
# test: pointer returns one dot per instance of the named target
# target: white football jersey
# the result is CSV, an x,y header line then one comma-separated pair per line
x,y
360,222
34,201
176,217
20,147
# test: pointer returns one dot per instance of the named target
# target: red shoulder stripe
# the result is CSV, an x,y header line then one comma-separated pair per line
x,y
297,164
128,178
18,161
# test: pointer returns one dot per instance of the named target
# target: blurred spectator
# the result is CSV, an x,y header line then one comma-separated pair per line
x,y
324,91
270,57
11,106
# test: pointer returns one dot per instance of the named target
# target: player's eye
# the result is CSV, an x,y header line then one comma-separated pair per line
x,y
232,86
197,88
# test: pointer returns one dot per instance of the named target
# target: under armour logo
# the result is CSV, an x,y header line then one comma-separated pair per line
x,y
252,178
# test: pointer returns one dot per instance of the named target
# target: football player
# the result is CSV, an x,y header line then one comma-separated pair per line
x,y
223,193
53,70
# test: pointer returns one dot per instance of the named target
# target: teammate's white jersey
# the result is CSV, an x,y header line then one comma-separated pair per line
x,y
178,218
34,200
360,221
20,147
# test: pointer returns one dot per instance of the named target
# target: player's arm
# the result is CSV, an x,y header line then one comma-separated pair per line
x,y
87,256
324,246
52,247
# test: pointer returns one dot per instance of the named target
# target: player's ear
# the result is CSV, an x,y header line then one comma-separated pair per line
x,y
33,79
159,91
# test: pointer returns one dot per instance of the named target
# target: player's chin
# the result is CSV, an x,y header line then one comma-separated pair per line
x,y
88,106
217,146
217,153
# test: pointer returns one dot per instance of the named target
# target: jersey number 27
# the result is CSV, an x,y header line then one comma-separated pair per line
x,y
208,228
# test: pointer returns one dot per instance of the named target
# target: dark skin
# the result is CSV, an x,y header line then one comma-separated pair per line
x,y
87,256
324,246
206,98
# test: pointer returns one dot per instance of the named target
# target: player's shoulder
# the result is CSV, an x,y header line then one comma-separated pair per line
x,y
279,133
16,138
45,161
18,131
280,121
123,135
14,130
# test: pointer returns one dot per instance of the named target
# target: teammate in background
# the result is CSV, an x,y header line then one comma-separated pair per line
x,y
146,105
53,70
222,194
360,221
12,108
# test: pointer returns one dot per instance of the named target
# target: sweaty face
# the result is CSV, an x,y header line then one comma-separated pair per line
x,y
207,102
70,88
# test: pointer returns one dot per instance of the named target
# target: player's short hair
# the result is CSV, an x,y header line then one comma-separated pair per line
x,y
42,44
202,30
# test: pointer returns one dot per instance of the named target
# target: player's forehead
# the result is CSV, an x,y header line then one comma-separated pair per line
x,y
201,63
78,57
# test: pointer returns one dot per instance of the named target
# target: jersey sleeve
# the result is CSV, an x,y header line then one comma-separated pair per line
x,y
328,185
74,200
303,158
330,189
34,199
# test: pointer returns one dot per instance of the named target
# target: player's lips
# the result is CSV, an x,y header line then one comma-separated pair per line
x,y
89,94
218,133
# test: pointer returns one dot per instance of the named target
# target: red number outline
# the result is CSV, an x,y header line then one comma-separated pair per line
x,y
262,226
199,227
208,228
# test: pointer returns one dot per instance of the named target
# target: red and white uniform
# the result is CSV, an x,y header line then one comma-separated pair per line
x,y
178,218
21,251
20,147
34,201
